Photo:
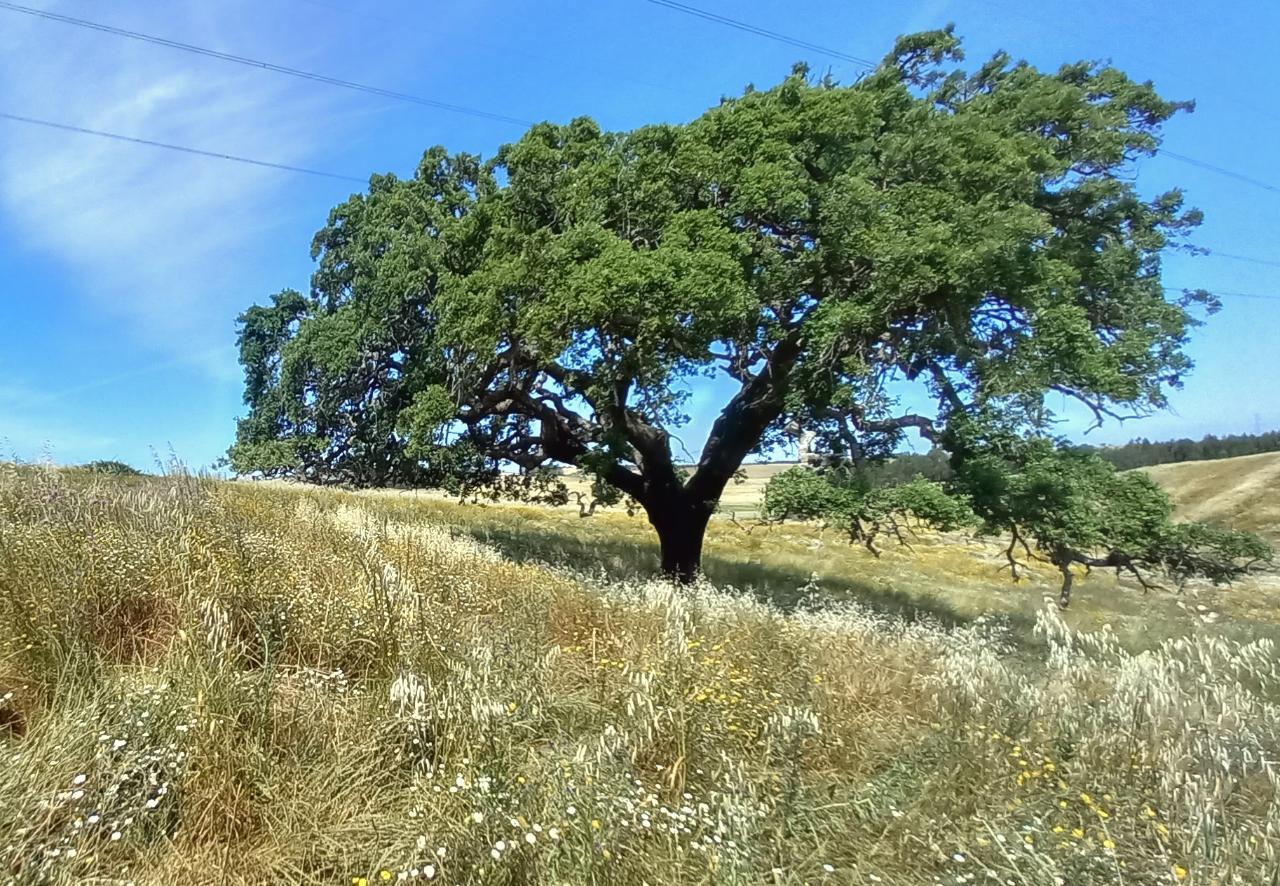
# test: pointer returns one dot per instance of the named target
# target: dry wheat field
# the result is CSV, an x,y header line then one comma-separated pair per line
x,y
205,682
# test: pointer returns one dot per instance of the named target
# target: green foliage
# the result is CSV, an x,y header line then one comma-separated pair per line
x,y
974,234
1075,508
845,497
804,494
1143,453
117,468
1061,504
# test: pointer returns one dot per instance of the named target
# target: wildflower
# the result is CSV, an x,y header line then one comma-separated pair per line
x,y
384,875
829,869
959,857
496,854
571,810
477,817
1108,844
79,779
359,881
441,852
501,845
554,833
1179,872
530,838
595,824
429,871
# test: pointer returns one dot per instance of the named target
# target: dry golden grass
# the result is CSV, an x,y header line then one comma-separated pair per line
x,y
246,684
1242,492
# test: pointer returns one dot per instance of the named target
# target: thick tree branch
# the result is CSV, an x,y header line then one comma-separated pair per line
x,y
742,422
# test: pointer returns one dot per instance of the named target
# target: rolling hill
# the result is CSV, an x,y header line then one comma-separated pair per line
x,y
1242,492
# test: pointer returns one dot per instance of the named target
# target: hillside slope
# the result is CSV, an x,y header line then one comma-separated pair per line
x,y
1242,492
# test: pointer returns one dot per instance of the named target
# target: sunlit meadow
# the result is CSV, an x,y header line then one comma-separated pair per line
x,y
215,682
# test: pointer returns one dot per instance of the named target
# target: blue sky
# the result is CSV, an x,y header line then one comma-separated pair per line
x,y
122,267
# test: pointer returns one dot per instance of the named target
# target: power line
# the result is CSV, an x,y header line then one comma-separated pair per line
x,y
1249,258
267,66
843,56
183,148
1257,295
1257,183
115,136
763,32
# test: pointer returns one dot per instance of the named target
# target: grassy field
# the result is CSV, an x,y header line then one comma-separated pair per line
x,y
216,682
1242,492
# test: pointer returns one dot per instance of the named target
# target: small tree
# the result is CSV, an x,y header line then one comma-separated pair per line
x,y
117,468
1062,505
1071,508
976,235
847,498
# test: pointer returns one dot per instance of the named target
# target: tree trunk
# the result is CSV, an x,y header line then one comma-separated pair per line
x,y
681,525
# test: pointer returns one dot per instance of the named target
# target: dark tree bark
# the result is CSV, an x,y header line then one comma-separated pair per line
x,y
681,523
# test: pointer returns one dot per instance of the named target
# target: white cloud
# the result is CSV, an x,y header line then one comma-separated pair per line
x,y
159,241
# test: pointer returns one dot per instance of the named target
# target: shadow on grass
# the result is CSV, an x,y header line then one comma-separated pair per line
x,y
781,586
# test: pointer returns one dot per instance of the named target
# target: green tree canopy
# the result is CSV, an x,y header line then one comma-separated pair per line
x,y
975,234
848,498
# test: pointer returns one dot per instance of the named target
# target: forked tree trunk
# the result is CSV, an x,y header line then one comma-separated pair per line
x,y
681,525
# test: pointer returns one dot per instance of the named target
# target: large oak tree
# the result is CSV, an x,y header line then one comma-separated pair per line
x,y
975,234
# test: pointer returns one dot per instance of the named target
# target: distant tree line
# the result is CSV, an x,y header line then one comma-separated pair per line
x,y
1143,453
1139,453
